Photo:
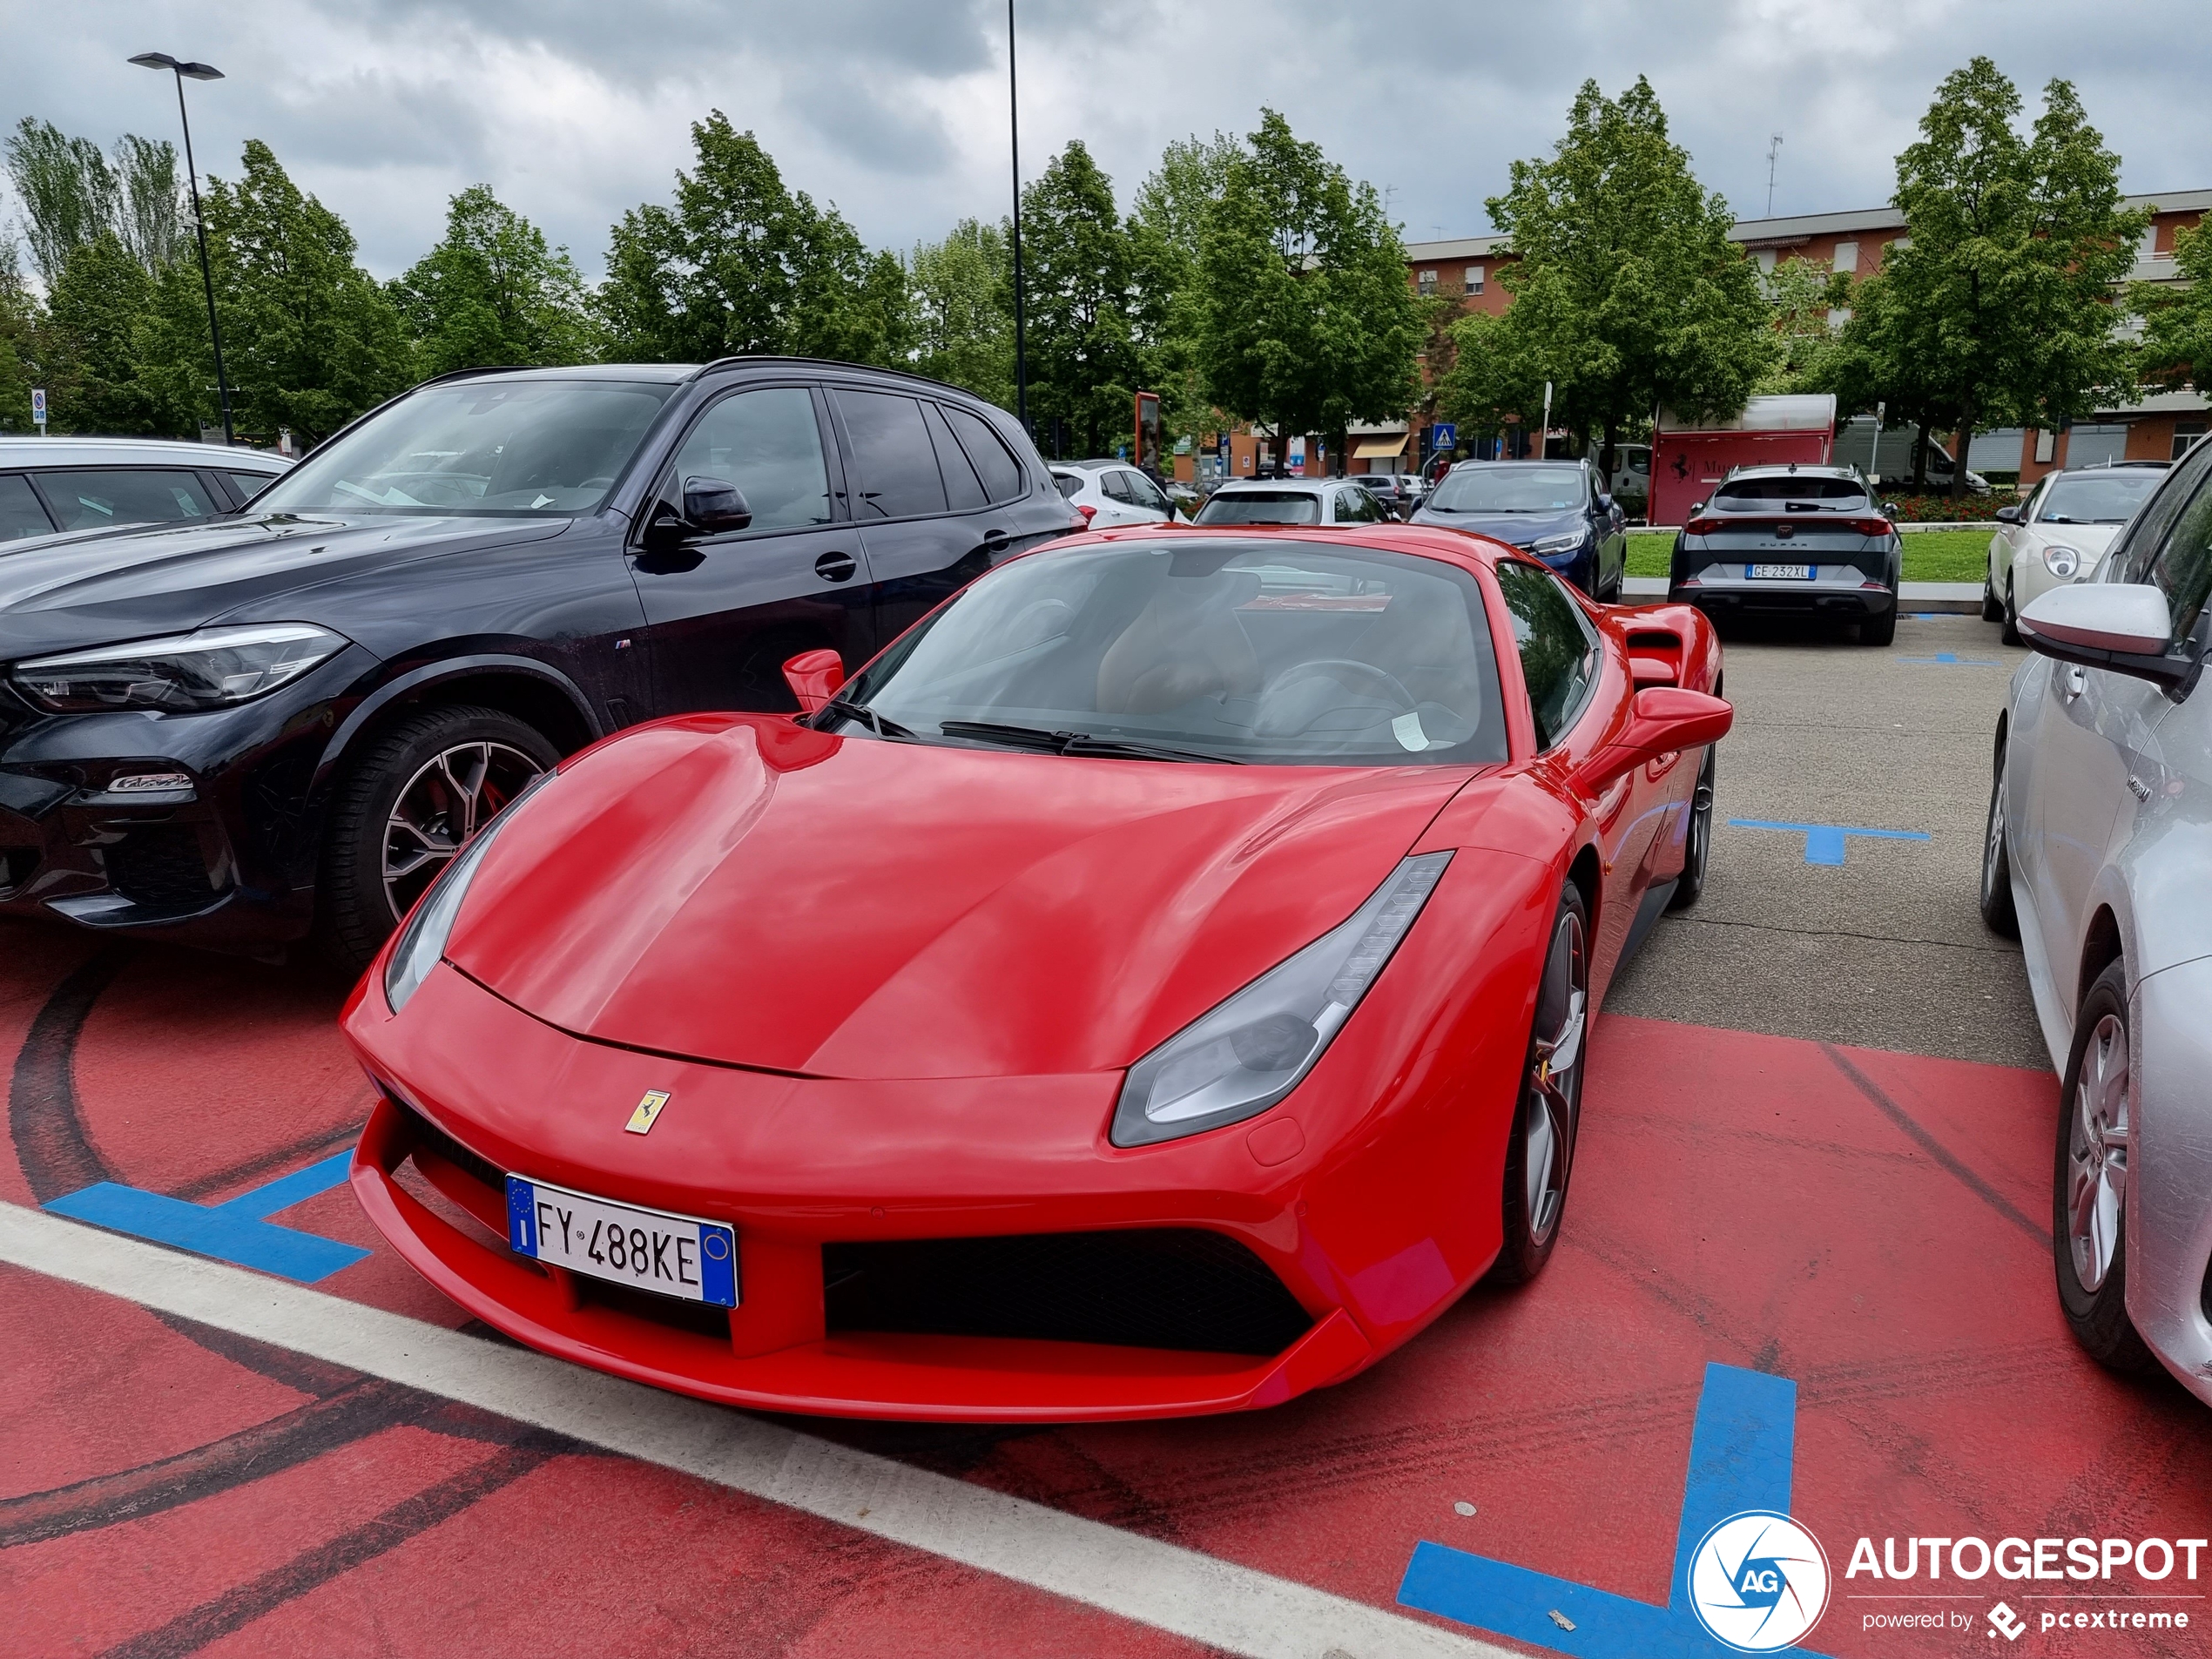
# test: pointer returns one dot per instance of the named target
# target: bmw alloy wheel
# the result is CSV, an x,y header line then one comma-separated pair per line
x,y
2097,1154
451,796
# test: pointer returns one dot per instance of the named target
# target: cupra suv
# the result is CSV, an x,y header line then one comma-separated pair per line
x,y
1158,983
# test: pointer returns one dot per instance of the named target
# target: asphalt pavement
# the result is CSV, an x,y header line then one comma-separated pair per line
x,y
1887,949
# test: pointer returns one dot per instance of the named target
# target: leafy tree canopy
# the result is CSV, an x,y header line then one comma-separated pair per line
x,y
491,292
1087,338
963,329
2177,324
71,194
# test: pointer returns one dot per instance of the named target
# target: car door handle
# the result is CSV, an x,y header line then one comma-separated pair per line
x,y
2073,682
836,567
993,536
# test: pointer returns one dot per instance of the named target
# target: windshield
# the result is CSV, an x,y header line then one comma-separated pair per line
x,y
1242,651
1260,507
489,447
1496,487
2105,498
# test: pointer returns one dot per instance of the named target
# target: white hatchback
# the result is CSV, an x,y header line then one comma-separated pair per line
x,y
1111,492
2058,534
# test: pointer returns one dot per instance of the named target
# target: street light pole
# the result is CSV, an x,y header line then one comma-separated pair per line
x,y
1014,127
199,73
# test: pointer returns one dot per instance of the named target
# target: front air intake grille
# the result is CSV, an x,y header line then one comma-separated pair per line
x,y
432,1139
1166,1287
160,867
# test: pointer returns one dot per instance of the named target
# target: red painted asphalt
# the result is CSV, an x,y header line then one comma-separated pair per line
x,y
1869,1223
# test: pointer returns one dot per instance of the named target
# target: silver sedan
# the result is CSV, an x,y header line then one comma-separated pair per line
x,y
2099,856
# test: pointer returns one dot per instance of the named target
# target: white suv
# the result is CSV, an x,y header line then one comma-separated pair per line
x,y
1111,492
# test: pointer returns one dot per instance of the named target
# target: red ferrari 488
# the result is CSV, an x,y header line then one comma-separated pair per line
x,y
1158,983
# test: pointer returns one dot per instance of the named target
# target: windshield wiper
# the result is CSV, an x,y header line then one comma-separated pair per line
x,y
1074,743
880,725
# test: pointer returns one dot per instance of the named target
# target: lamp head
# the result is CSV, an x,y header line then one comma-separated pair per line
x,y
191,72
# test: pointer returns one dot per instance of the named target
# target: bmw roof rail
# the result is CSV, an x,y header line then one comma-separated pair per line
x,y
744,360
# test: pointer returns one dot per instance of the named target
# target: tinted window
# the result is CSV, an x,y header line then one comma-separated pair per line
x,y
1145,493
1496,487
766,443
1559,656
1763,495
1357,506
20,513
90,501
892,451
479,447
1261,507
963,490
250,484
1115,485
2182,569
1067,484
1001,475
2130,558
1259,651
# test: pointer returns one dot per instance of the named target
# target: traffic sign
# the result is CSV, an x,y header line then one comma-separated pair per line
x,y
39,406
1443,435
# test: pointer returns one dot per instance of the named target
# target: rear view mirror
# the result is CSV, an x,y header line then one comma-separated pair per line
x,y
1663,719
815,678
2124,626
2008,515
715,505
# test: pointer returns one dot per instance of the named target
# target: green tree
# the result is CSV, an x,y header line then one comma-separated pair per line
x,y
68,191
739,263
1086,347
1167,231
98,311
1306,320
491,292
1999,303
20,320
963,330
1803,295
2177,324
1627,293
149,206
310,340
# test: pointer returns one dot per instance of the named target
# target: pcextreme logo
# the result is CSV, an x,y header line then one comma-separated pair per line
x,y
1758,1582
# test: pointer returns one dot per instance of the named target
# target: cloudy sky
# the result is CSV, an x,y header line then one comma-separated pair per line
x,y
896,109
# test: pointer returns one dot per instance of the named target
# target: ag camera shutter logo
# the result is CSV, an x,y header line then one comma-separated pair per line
x,y
1758,1582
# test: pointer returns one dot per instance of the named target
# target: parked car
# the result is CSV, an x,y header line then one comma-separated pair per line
x,y
1552,508
1792,541
234,731
2100,814
1062,1020
2058,534
1293,502
1390,490
1111,492
49,486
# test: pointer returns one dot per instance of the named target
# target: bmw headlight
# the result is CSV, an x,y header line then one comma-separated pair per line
x,y
423,940
1254,1048
2061,561
1550,546
213,669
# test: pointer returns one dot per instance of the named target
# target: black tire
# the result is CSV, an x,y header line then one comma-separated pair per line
x,y
2010,616
1549,1112
2082,1177
1689,886
355,912
1879,631
1997,861
1992,608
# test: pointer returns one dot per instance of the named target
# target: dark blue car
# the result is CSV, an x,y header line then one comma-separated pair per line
x,y
1553,509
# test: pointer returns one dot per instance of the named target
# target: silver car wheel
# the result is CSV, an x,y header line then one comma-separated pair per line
x,y
1992,850
1562,1003
2097,1155
451,796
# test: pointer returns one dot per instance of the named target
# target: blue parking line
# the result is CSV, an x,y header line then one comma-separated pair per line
x,y
1740,1457
1954,658
237,1231
1825,842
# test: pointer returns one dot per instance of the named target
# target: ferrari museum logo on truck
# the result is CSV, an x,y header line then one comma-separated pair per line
x,y
1758,1582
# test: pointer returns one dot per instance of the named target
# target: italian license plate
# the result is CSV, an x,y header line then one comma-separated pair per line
x,y
1780,572
647,1250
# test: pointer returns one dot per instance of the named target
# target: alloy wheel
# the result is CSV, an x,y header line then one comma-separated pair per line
x,y
1992,848
1554,1078
452,796
2097,1154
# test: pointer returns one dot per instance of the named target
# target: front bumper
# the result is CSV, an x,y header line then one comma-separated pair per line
x,y
859,1164
2170,1211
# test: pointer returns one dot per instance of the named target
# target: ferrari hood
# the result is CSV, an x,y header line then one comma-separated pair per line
x,y
742,889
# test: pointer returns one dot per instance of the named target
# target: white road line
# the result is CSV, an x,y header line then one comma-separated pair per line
x,y
1179,1590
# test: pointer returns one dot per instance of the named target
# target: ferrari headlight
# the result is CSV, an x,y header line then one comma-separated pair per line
x,y
2061,561
423,940
1550,546
213,669
1254,1048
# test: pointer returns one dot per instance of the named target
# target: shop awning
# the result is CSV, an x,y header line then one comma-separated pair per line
x,y
1380,448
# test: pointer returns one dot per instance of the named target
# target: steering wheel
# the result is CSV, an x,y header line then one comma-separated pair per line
x,y
1366,671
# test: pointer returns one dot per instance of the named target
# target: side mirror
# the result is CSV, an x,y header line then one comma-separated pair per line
x,y
1607,502
1888,511
815,678
1663,719
2008,515
714,505
2124,626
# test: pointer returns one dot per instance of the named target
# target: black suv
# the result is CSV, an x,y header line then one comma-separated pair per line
x,y
288,719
